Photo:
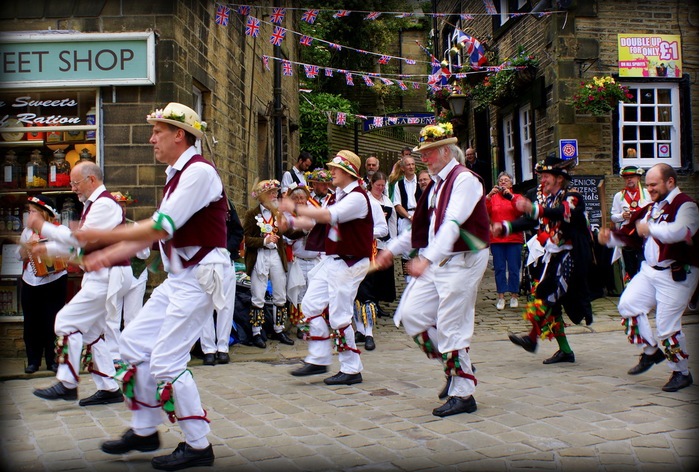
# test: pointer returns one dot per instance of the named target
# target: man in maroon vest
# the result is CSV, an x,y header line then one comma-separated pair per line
x,y
334,283
667,230
438,306
190,225
84,319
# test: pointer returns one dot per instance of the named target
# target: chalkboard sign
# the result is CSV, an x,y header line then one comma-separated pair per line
x,y
589,187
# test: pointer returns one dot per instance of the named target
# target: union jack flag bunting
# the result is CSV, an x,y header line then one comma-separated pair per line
x,y
341,13
335,46
368,81
265,62
384,59
287,68
386,81
306,40
410,61
278,36
404,15
244,9
328,72
341,118
348,77
311,71
252,28
490,7
362,51
310,16
362,117
416,85
378,121
373,15
222,14
277,15
402,85
392,120
467,17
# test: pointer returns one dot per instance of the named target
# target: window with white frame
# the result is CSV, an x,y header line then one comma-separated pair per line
x,y
504,11
508,129
199,108
526,142
649,128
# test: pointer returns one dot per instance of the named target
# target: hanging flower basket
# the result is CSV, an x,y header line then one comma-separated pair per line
x,y
525,76
599,96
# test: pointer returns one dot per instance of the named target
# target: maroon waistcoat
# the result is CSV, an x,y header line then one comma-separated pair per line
x,y
682,252
105,194
356,236
478,223
206,228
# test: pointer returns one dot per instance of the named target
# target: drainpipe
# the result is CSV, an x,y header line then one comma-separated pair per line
x,y
278,170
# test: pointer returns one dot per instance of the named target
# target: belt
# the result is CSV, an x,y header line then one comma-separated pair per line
x,y
347,258
661,268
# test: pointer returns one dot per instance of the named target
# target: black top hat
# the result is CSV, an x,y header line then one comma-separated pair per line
x,y
43,202
554,165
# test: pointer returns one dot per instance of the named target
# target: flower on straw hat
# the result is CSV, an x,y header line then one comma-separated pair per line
x,y
347,161
436,135
264,186
319,175
181,116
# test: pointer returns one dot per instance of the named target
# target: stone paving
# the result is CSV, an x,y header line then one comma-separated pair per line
x,y
575,417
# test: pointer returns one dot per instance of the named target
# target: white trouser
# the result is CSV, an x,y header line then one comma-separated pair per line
x,y
442,302
217,339
268,267
85,315
130,304
158,342
649,289
333,284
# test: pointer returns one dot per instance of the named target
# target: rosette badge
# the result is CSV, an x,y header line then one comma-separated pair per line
x,y
181,116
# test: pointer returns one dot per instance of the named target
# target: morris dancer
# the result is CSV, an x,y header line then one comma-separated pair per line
x,y
190,224
668,232
438,306
334,284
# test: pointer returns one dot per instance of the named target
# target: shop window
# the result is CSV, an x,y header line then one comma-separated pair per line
x,y
649,128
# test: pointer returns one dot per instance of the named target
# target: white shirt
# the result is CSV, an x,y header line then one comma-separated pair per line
x,y
199,186
466,193
380,225
348,205
410,189
392,220
287,179
620,205
28,274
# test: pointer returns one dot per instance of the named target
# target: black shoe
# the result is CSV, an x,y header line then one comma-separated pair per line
x,y
523,341
445,391
57,392
31,368
53,368
257,341
282,338
369,343
130,441
222,358
646,362
209,359
309,369
299,333
677,382
184,456
344,379
560,356
102,397
359,337
456,405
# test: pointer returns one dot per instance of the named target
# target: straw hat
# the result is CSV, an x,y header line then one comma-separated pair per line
x,y
347,161
319,175
181,116
436,135
43,202
264,186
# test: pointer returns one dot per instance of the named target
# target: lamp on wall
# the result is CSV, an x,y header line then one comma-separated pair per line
x,y
457,104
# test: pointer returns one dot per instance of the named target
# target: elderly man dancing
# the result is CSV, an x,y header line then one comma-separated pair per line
x,y
437,308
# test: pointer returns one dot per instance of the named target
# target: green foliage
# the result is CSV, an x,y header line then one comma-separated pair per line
x,y
599,96
314,122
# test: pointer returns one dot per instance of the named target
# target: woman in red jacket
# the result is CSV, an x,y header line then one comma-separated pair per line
x,y
506,250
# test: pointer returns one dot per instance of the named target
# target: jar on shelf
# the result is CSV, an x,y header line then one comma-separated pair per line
x,y
90,119
59,170
36,171
10,171
86,156
68,212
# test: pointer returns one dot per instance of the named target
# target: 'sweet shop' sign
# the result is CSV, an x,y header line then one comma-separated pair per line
x,y
54,59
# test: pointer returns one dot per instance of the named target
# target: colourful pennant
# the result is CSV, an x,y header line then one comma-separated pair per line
x,y
341,118
310,16
252,28
277,15
222,15
278,36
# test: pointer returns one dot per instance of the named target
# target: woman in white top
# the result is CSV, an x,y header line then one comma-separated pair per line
x,y
42,296
378,286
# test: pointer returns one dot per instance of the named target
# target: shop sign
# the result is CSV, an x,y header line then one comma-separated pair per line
x,y
55,59
649,55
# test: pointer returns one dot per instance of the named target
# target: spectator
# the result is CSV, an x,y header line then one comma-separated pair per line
x,y
423,179
506,250
297,172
